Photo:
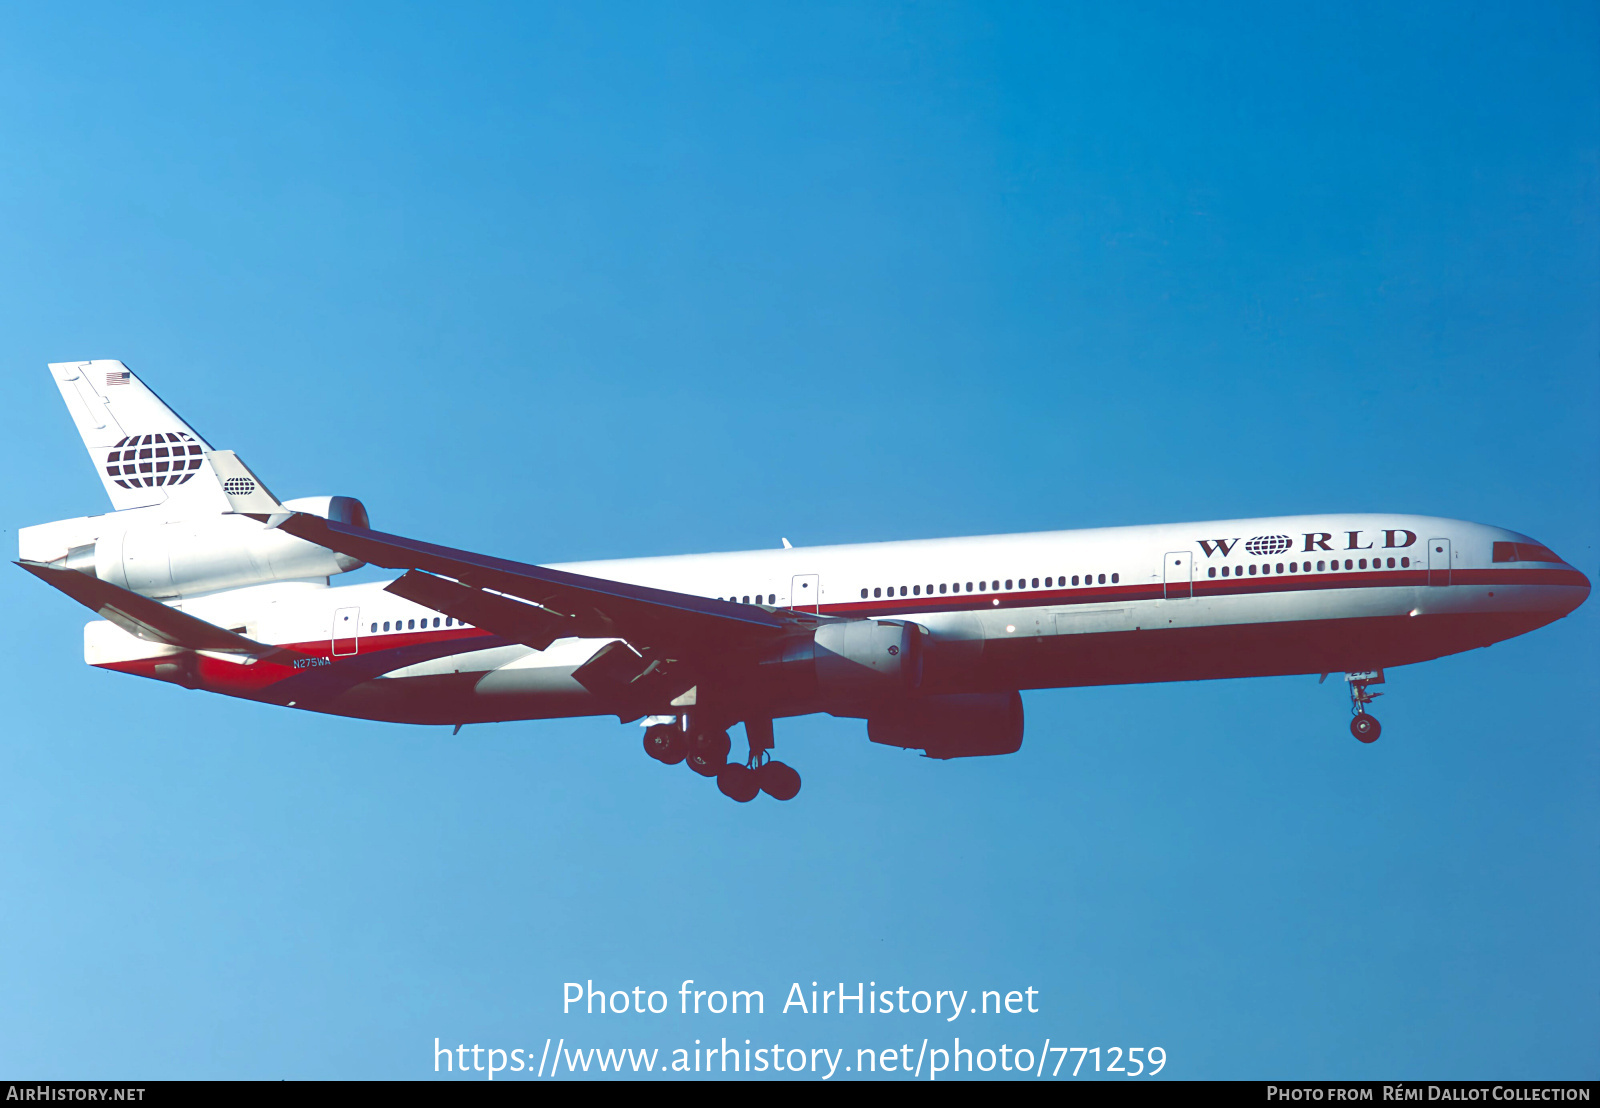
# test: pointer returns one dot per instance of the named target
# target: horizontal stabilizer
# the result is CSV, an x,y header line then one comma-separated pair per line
x,y
152,620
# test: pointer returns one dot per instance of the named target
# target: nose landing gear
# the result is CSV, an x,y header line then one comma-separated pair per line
x,y
1362,725
705,750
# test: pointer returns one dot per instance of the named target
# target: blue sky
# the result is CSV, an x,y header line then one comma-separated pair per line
x,y
588,281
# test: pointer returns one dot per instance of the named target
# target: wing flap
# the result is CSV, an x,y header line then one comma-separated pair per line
x,y
677,623
510,618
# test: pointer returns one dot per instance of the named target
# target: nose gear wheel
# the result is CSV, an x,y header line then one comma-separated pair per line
x,y
1363,725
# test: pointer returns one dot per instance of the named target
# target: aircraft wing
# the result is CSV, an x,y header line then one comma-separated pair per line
x,y
670,638
152,620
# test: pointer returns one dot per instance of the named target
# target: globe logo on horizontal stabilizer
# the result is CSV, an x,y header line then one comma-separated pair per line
x,y
147,461
238,486
1268,544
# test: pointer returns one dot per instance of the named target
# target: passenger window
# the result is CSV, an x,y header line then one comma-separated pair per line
x,y
746,600
863,594
448,622
877,592
916,590
1363,564
1294,567
969,586
1212,572
1252,571
941,589
1266,569
374,630
436,621
1347,564
1279,569
1115,577
1008,582
772,598
411,625
1074,578
1391,563
385,625
1035,582
1102,579
1048,582
1320,567
1405,563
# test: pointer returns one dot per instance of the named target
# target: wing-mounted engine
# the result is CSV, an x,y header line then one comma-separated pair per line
x,y
959,726
187,557
847,661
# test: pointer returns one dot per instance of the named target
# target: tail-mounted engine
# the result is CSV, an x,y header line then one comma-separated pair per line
x,y
192,556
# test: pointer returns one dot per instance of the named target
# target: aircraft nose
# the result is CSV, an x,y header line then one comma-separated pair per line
x,y
1578,580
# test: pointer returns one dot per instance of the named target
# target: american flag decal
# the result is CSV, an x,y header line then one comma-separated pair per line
x,y
120,377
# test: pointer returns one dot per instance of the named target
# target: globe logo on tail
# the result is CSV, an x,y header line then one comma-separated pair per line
x,y
148,461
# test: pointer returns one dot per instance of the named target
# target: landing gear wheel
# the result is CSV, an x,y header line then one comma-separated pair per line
x,y
778,780
708,752
738,782
665,743
1365,727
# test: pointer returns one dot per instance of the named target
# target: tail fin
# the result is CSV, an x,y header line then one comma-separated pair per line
x,y
142,451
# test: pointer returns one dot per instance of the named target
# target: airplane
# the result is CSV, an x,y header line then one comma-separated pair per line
x,y
205,580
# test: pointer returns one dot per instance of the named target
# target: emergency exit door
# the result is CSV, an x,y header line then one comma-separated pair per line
x,y
805,593
1438,561
1177,575
346,631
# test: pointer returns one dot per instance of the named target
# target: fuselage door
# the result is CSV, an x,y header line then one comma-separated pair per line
x,y
1178,575
805,593
1438,561
346,631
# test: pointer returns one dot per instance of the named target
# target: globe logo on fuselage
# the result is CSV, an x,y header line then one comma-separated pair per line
x,y
1263,545
146,461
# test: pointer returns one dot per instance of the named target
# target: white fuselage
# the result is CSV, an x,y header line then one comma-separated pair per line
x,y
1301,594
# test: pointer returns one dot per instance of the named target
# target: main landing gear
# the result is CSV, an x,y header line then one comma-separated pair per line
x,y
1363,726
705,751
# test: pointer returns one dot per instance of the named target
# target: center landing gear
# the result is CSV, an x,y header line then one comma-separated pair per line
x,y
705,750
1363,726
759,773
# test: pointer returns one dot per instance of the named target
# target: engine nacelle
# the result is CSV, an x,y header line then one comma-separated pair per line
x,y
965,725
852,660
188,557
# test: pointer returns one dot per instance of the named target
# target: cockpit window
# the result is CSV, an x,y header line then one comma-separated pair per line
x,y
1523,552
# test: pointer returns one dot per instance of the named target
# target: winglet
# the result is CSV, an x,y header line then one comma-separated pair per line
x,y
247,494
